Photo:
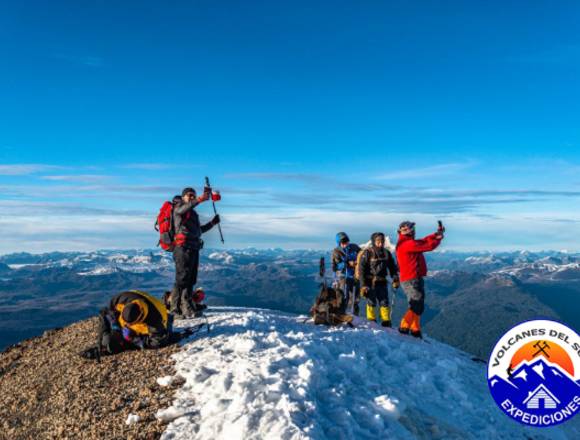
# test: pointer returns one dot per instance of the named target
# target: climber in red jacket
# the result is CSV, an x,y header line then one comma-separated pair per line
x,y
412,269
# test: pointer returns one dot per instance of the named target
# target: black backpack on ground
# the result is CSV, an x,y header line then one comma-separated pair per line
x,y
327,308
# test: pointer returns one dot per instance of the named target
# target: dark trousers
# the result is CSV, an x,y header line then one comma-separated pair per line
x,y
415,291
111,339
378,293
186,266
352,291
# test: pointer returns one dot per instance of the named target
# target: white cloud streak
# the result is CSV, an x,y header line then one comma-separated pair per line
x,y
431,171
26,169
82,178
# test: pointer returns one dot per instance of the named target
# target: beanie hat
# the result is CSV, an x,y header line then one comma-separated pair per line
x,y
340,237
406,227
187,190
375,235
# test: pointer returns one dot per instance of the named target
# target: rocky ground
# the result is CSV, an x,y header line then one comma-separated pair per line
x,y
47,391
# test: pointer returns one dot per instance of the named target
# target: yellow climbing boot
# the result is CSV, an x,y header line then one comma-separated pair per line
x,y
385,316
371,315
385,313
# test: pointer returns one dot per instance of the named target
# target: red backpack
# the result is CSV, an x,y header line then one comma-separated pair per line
x,y
164,225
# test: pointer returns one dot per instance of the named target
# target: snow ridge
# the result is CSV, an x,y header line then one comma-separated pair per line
x,y
260,374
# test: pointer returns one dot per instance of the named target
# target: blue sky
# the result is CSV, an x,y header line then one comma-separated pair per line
x,y
312,117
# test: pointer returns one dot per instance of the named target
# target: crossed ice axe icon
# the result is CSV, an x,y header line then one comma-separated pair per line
x,y
541,346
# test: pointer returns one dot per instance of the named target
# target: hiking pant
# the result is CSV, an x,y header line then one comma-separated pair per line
x,y
352,291
110,339
415,291
186,266
378,293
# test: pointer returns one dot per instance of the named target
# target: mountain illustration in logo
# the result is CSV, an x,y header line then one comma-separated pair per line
x,y
538,386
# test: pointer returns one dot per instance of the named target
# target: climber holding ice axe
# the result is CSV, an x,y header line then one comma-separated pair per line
x,y
187,243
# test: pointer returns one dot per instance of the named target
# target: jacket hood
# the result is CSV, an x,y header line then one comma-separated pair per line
x,y
341,236
404,237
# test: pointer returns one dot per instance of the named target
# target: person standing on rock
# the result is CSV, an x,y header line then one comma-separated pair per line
x,y
413,269
188,242
376,263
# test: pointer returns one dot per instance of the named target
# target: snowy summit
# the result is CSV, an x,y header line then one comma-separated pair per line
x,y
259,374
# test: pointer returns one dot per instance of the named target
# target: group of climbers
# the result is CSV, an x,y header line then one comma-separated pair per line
x,y
136,319
368,270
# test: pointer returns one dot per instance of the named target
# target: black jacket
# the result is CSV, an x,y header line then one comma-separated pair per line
x,y
186,223
376,264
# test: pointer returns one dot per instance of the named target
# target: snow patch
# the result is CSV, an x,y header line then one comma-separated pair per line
x,y
389,405
221,256
265,375
100,270
165,381
132,419
169,414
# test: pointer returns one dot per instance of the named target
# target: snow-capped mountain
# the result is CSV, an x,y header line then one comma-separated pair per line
x,y
264,375
543,265
58,288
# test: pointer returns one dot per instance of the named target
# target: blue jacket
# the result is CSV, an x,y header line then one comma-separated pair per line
x,y
341,257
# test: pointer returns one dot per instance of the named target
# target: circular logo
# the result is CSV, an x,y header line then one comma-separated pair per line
x,y
534,373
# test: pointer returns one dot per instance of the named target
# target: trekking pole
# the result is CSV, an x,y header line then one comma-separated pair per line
x,y
347,296
322,270
214,210
346,292
392,304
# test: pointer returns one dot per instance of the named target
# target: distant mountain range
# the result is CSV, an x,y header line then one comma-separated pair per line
x,y
472,298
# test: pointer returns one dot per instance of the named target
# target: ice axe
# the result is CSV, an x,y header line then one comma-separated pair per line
x,y
214,210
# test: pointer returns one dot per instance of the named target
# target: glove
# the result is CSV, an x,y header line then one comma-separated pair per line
x,y
440,230
203,197
127,334
216,196
396,283
364,291
215,220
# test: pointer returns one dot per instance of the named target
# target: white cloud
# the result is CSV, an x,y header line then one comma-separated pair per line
x,y
302,228
26,169
147,166
431,171
83,178
64,232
